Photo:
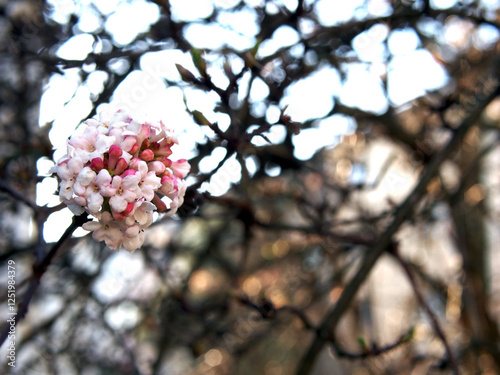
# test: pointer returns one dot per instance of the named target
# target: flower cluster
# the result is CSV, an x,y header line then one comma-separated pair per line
x,y
120,172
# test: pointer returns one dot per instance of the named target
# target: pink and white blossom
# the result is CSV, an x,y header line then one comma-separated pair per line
x,y
181,168
149,182
118,171
124,192
91,145
107,230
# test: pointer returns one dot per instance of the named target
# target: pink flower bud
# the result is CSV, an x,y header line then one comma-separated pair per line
x,y
147,155
160,205
181,168
143,135
168,185
134,163
129,209
118,216
145,131
164,151
114,153
156,166
134,149
166,162
96,164
167,142
163,148
121,165
128,172
128,144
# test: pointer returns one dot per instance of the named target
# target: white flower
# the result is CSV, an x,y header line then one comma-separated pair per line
x,y
93,192
125,191
107,230
181,168
133,238
143,213
149,182
177,197
68,171
85,177
91,145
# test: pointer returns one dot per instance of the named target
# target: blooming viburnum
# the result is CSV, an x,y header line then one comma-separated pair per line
x,y
118,171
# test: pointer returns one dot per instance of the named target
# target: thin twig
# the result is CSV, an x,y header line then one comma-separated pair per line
x,y
434,320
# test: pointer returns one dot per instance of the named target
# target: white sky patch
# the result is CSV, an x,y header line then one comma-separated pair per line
x,y
136,91
290,4
412,75
124,316
443,4
276,135
486,36
255,3
67,120
43,166
77,47
404,41
251,164
333,12
243,21
218,77
337,125
59,90
221,181
272,170
95,81
225,4
56,224
215,36
243,83
369,44
308,142
190,10
162,64
89,21
123,24
202,101
207,164
62,10
325,133
48,184
106,6
363,90
312,96
211,36
273,114
259,90
379,8
284,36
